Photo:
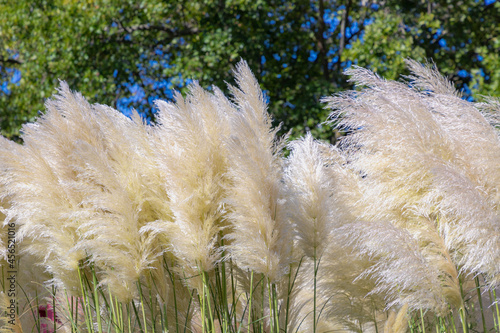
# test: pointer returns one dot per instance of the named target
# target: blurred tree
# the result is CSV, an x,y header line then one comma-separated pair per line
x,y
128,53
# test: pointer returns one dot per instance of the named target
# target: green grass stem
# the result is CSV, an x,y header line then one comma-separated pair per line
x,y
478,289
172,280
497,310
139,286
86,304
422,320
250,302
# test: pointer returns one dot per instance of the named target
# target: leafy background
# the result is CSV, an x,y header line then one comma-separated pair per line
x,y
128,53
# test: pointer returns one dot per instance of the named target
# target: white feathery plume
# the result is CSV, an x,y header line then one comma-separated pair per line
x,y
323,195
469,221
490,109
428,79
343,301
260,236
345,297
311,205
41,207
18,268
123,193
467,186
403,271
83,188
192,157
396,144
136,170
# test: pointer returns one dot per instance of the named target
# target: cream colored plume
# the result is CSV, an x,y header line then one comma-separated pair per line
x,y
397,323
405,208
81,187
404,272
260,234
40,205
467,185
191,154
317,210
396,146
429,162
123,192
311,204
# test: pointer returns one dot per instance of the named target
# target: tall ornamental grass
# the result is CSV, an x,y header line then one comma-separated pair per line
x,y
208,221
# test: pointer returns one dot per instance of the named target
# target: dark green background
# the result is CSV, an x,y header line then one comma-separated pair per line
x,y
127,53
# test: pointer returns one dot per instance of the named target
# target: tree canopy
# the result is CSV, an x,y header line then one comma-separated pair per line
x,y
128,53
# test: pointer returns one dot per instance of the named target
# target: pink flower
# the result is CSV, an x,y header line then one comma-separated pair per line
x,y
47,312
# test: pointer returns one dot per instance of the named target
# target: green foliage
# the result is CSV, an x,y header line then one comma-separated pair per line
x,y
461,35
100,46
385,46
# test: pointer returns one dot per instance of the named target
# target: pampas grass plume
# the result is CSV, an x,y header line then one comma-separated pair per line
x,y
192,156
310,196
260,235
397,184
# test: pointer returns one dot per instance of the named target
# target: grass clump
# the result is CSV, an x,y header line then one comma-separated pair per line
x,y
201,224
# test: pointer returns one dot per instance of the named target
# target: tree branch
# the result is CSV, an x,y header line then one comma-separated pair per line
x,y
11,61
361,25
321,41
343,27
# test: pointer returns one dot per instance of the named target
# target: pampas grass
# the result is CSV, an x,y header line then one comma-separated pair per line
x,y
200,223
255,195
191,154
256,198
312,209
426,189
